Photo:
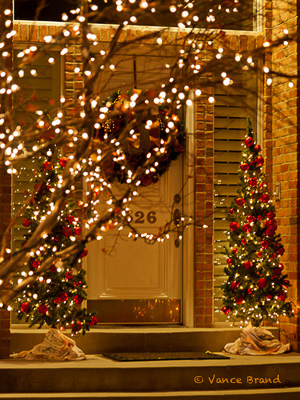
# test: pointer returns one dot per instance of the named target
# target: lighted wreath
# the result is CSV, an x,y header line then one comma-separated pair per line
x,y
145,129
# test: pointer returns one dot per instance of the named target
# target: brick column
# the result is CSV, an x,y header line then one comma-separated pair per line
x,y
286,157
204,196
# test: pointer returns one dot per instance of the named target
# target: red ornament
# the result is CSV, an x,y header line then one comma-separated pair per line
x,y
264,198
42,309
83,253
264,244
78,299
244,241
239,201
63,297
35,263
232,211
70,219
77,230
240,299
235,250
280,266
226,310
66,231
257,147
249,141
244,166
259,254
280,251
270,215
270,231
68,276
277,271
262,283
47,165
76,326
252,164
269,297
281,296
229,261
247,264
234,285
25,307
246,227
259,161
93,321
252,182
234,226
25,221
63,162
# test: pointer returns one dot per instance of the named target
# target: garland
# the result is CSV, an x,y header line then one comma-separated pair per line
x,y
145,128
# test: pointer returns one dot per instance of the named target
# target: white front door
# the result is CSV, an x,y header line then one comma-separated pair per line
x,y
135,282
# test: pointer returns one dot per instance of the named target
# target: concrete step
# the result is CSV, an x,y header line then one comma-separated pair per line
x,y
138,339
97,374
254,394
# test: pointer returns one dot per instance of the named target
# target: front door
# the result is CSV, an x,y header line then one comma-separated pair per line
x,y
135,282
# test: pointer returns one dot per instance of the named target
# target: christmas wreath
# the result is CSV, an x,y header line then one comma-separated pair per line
x,y
146,126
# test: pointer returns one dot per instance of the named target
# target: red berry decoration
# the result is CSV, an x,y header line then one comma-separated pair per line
x,y
234,226
264,198
77,230
269,297
281,296
246,227
244,241
270,231
259,161
35,263
244,166
47,165
226,310
262,283
229,261
68,276
247,264
66,231
252,182
42,309
93,321
232,211
25,222
239,201
70,219
270,215
63,297
78,299
83,253
264,244
25,307
76,326
240,299
257,147
259,254
280,251
63,162
249,141
234,285
250,218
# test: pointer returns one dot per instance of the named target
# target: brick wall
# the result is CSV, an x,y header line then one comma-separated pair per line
x,y
5,215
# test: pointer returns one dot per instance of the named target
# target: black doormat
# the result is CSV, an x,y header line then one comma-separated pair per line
x,y
165,356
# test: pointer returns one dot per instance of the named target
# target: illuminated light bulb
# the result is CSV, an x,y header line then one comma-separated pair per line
x,y
159,40
133,19
269,81
189,102
211,99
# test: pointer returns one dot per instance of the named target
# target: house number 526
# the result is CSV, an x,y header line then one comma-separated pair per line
x,y
140,217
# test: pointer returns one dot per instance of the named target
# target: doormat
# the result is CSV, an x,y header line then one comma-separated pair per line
x,y
165,356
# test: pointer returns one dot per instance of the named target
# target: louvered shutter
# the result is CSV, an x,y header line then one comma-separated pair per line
x,y
232,107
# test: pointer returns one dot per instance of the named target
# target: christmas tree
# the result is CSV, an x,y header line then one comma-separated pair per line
x,y
55,297
256,288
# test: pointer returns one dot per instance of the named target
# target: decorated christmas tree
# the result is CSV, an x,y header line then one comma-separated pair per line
x,y
256,288
55,297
